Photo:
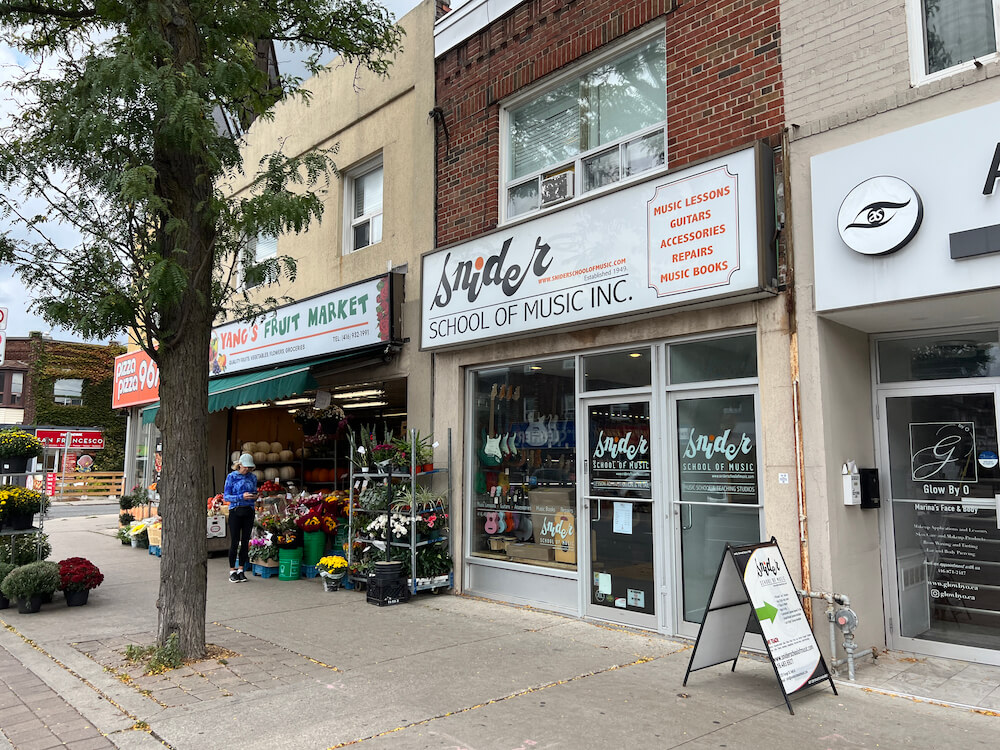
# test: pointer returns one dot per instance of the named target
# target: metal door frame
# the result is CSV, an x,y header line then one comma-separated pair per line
x,y
681,626
657,469
890,588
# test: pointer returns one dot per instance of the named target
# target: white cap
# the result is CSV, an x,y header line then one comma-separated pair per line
x,y
247,460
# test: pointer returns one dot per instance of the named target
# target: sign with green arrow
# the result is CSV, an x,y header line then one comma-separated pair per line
x,y
767,612
754,593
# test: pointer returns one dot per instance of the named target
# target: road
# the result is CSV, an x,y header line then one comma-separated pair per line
x,y
74,510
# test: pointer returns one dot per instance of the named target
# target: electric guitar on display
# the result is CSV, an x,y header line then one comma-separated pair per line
x,y
490,454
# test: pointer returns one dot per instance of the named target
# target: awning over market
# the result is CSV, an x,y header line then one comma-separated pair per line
x,y
253,387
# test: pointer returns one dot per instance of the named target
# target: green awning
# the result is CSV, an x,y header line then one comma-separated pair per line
x,y
253,387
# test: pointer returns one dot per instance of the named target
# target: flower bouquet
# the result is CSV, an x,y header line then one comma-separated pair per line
x,y
332,568
286,535
78,576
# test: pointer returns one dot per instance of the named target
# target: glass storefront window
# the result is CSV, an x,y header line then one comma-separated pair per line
x,y
524,464
148,457
625,369
713,359
944,476
969,355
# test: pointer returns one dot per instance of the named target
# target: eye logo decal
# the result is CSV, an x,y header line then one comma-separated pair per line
x,y
876,214
880,216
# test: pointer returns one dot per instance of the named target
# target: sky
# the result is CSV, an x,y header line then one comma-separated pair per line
x,y
13,294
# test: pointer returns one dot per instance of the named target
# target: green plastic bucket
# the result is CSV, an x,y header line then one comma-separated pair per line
x,y
289,564
314,544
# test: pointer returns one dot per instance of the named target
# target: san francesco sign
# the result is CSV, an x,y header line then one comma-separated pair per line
x,y
78,439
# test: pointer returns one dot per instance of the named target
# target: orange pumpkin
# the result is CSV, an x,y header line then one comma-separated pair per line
x,y
322,475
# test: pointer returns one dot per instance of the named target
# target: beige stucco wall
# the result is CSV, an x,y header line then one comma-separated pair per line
x,y
364,116
847,80
848,62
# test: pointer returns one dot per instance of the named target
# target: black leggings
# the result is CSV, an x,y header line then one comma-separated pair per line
x,y
240,526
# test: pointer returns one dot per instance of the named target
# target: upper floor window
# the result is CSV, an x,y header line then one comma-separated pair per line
x,y
364,199
264,246
11,388
68,391
949,34
601,126
16,388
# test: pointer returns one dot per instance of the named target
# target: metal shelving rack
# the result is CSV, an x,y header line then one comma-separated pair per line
x,y
386,478
5,478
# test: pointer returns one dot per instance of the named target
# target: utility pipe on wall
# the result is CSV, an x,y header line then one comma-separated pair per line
x,y
793,348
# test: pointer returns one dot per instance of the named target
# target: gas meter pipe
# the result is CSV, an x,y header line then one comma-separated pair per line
x,y
846,620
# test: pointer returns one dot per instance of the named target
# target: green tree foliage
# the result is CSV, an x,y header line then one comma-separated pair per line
x,y
115,135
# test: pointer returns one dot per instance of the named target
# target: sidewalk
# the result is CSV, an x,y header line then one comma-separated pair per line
x,y
311,669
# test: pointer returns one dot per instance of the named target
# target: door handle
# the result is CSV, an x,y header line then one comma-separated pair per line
x,y
690,523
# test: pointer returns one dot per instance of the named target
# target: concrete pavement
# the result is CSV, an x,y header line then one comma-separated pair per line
x,y
311,669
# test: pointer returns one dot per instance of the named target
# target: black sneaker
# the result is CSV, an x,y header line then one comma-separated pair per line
x,y
234,577
242,576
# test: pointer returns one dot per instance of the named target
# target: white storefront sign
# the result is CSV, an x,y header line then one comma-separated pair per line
x,y
685,237
339,321
910,214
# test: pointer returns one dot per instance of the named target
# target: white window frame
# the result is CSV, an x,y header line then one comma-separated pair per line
x,y
16,395
265,246
70,399
350,221
915,43
590,62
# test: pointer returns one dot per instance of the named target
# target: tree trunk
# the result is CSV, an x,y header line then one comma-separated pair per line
x,y
183,487
185,181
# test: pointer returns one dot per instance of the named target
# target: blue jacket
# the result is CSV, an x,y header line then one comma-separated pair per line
x,y
236,485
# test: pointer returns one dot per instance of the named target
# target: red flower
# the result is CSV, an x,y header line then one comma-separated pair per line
x,y
79,574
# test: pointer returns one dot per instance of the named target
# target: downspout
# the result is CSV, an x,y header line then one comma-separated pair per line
x,y
793,349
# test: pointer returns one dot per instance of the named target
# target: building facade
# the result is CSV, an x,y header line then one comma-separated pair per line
x,y
893,162
17,405
355,295
604,303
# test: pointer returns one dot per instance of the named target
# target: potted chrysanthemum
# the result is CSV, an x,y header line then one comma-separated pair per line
x,y
29,583
17,447
332,569
18,505
78,576
5,568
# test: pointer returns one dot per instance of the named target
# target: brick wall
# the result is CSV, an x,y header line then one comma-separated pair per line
x,y
19,358
724,86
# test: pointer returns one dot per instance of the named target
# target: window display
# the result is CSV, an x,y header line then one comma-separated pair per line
x,y
524,464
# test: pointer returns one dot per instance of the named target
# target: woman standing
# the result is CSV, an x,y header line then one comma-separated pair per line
x,y
241,493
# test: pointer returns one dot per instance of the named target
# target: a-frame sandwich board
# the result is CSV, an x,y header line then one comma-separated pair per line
x,y
753,593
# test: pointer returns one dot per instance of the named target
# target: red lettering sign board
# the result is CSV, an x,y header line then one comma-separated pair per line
x,y
78,439
136,382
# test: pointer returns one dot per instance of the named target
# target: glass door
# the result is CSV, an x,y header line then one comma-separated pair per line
x,y
716,491
618,501
940,447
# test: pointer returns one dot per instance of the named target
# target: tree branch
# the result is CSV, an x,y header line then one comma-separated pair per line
x,y
47,11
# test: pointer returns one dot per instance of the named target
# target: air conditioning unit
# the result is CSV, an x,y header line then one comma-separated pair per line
x,y
557,187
